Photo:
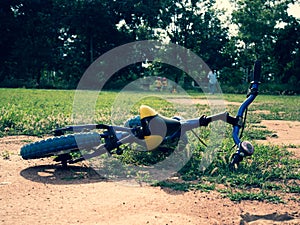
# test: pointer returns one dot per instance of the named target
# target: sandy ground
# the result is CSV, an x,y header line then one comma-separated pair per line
x,y
40,192
285,133
192,101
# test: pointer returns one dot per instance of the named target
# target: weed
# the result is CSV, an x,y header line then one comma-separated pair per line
x,y
186,186
27,141
6,155
292,146
293,189
259,196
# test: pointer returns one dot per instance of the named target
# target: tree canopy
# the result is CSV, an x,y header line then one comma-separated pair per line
x,y
50,43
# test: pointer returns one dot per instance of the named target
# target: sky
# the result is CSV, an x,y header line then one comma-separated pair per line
x,y
295,10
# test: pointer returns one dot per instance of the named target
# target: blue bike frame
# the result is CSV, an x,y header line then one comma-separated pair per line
x,y
240,114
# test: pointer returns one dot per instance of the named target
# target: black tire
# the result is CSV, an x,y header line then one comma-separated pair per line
x,y
60,145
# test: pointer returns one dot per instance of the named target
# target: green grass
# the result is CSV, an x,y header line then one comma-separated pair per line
x,y
271,107
260,196
33,112
36,112
271,172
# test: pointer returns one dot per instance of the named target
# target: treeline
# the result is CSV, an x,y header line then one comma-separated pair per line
x,y
50,43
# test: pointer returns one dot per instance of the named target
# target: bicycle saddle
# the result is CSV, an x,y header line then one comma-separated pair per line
x,y
156,127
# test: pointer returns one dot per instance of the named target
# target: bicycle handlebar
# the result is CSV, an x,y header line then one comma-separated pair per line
x,y
245,148
251,96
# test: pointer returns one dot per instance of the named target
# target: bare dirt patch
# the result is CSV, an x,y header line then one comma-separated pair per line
x,y
266,112
41,192
285,133
193,101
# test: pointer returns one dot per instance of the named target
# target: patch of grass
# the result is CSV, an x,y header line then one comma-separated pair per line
x,y
5,155
272,186
257,134
36,112
33,112
264,170
278,107
180,186
27,141
292,146
260,196
294,189
186,186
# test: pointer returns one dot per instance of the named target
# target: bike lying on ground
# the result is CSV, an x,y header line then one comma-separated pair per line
x,y
149,130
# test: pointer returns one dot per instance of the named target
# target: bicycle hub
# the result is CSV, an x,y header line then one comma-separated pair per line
x,y
246,148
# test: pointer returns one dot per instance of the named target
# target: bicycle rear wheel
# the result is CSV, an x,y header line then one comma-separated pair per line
x,y
60,145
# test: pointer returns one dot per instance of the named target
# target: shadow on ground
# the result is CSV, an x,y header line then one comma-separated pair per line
x,y
56,174
274,217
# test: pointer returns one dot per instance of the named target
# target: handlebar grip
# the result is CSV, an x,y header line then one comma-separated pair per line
x,y
257,71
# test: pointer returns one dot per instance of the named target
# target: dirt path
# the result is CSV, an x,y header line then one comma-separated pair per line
x,y
285,133
39,192
192,101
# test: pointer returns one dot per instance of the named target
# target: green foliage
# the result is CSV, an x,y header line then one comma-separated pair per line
x,y
6,155
261,36
229,77
268,170
50,43
198,28
294,188
185,186
260,196
34,112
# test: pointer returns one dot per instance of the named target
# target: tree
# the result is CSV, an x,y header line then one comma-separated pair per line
x,y
196,26
46,37
55,41
258,21
8,29
34,39
88,29
140,17
287,54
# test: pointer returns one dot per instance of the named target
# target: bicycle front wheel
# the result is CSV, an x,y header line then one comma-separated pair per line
x,y
60,145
